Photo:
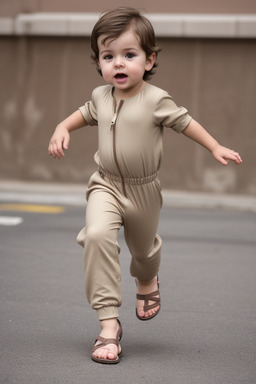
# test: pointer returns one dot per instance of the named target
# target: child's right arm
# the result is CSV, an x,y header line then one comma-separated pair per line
x,y
61,137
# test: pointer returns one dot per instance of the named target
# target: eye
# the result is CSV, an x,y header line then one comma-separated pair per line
x,y
107,57
130,55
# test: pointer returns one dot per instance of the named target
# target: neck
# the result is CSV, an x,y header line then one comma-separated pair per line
x,y
121,95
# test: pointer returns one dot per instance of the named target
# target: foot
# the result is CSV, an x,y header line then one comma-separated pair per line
x,y
147,288
110,329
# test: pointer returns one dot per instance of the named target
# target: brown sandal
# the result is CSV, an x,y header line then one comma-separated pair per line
x,y
149,297
104,342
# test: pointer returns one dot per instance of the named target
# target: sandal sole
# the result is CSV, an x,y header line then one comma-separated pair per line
x,y
108,361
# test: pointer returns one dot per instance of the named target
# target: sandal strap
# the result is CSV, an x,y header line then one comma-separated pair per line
x,y
104,342
149,297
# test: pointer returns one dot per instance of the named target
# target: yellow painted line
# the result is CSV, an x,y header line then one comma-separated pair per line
x,y
32,208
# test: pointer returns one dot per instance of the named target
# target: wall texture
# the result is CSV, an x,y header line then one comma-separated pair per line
x,y
45,78
14,7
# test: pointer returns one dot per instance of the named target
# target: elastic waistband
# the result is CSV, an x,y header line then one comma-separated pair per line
x,y
127,180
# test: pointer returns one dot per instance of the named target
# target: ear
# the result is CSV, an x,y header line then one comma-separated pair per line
x,y
150,61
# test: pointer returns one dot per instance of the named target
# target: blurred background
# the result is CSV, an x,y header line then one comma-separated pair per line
x,y
207,63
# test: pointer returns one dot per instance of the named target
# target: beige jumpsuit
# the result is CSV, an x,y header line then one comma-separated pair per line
x,y
125,191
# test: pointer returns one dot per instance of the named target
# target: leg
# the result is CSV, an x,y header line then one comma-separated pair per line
x,y
101,254
102,269
140,226
146,265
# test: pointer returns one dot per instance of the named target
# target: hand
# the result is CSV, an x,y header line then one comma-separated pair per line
x,y
59,142
223,155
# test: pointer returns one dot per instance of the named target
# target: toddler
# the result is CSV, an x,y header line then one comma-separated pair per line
x,y
125,191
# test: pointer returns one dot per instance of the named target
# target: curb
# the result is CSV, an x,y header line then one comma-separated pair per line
x,y
74,195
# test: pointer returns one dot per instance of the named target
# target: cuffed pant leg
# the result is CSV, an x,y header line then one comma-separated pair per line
x,y
101,254
141,223
145,265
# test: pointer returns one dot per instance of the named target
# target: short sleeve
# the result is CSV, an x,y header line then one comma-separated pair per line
x,y
168,114
89,112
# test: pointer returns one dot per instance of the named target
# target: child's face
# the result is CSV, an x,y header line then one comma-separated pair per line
x,y
123,62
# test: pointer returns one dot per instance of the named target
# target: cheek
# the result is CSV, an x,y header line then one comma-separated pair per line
x,y
104,68
138,69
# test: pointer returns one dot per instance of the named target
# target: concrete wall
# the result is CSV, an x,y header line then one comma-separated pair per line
x,y
45,78
14,7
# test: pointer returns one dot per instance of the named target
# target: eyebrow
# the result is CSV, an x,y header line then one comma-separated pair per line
x,y
125,50
105,51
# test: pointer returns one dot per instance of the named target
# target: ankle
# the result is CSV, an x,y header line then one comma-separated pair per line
x,y
148,282
109,324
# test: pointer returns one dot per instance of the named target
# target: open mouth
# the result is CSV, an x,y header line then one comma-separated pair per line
x,y
120,76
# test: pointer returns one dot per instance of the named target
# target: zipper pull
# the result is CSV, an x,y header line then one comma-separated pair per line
x,y
114,119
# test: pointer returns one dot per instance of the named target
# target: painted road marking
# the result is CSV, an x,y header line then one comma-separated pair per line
x,y
32,208
10,221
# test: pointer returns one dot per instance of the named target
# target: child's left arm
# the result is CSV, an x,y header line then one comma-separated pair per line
x,y
222,154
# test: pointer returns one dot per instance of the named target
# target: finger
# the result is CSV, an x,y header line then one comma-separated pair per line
x,y
60,151
235,157
55,151
50,148
223,161
239,159
66,142
51,151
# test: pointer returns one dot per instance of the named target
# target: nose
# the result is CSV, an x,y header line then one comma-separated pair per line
x,y
119,62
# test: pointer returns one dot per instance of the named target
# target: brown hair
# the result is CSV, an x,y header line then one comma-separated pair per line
x,y
117,21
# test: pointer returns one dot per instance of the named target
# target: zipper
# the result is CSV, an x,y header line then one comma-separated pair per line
x,y
113,126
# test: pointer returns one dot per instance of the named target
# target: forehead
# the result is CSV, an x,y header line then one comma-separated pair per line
x,y
126,38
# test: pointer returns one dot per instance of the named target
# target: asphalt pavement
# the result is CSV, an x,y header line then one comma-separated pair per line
x,y
205,332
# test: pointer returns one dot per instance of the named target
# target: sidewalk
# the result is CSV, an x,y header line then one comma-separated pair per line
x,y
74,194
204,333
